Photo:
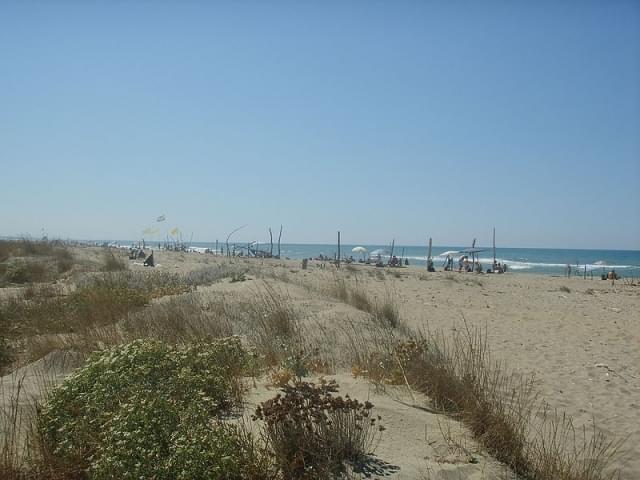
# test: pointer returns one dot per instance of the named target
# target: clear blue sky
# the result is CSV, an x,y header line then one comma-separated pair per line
x,y
380,119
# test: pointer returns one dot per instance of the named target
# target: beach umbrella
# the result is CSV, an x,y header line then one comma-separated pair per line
x,y
361,250
378,254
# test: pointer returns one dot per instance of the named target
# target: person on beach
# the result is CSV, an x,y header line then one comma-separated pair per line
x,y
149,262
430,265
568,270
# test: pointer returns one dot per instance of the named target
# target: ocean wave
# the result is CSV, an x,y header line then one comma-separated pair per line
x,y
522,264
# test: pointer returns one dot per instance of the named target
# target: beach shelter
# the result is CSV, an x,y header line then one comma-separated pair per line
x,y
378,254
361,250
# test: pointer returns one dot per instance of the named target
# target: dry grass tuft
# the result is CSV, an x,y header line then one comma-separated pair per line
x,y
214,274
271,323
385,312
97,301
500,409
176,320
111,263
27,261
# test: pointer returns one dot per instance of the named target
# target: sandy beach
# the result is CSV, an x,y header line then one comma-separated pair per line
x,y
578,339
582,346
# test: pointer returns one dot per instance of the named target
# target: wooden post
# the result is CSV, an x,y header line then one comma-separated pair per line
x,y
473,256
338,249
493,267
271,240
279,236
393,244
229,236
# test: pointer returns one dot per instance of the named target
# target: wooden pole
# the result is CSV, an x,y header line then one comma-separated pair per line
x,y
393,243
279,236
338,249
229,236
494,249
271,240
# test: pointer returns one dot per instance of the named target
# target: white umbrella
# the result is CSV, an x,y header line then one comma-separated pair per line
x,y
378,254
361,250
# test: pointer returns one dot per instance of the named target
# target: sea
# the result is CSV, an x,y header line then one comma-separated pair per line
x,y
545,261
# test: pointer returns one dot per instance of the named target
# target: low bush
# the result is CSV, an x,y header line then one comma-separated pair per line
x,y
387,365
111,263
312,433
27,261
26,271
98,300
149,410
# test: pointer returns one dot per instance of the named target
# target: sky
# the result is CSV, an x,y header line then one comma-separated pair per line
x,y
403,119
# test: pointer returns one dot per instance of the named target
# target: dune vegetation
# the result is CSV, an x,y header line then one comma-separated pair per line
x,y
169,360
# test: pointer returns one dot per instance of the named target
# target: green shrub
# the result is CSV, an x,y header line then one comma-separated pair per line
x,y
22,271
149,410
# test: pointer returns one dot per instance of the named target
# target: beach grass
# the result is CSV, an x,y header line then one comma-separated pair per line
x,y
106,310
500,408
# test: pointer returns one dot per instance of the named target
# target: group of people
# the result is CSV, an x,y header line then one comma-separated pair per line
x,y
395,262
465,266
136,253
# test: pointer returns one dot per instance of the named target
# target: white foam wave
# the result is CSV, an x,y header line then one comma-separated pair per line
x,y
523,264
